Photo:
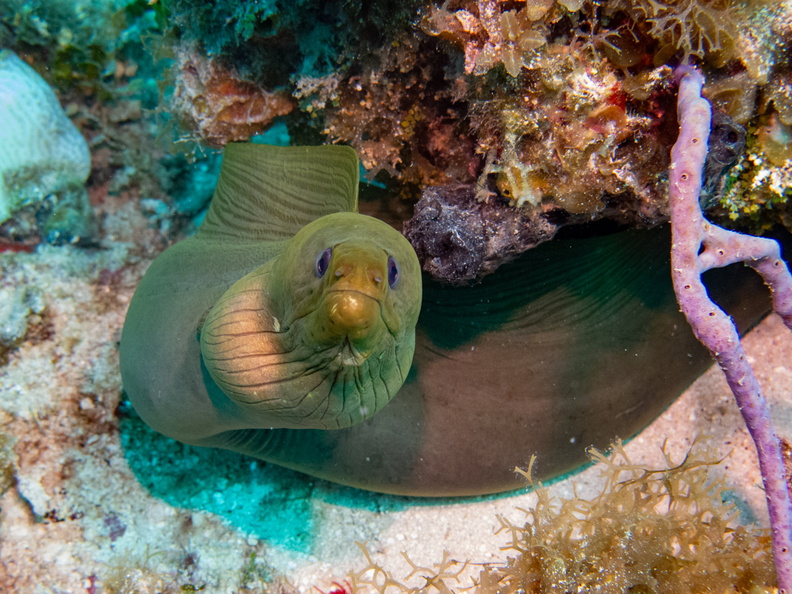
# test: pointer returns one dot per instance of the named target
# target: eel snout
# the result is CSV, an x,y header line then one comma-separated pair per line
x,y
351,310
351,313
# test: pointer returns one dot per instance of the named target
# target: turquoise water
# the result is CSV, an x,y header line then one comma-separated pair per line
x,y
268,501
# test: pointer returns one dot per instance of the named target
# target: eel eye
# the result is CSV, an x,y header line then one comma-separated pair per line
x,y
323,262
393,272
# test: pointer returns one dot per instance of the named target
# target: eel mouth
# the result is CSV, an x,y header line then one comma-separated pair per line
x,y
344,291
351,356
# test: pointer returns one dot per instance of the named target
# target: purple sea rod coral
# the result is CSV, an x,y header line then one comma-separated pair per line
x,y
698,246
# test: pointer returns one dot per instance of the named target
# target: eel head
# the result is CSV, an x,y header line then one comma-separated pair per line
x,y
323,335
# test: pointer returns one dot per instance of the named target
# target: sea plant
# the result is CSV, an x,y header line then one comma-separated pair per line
x,y
666,529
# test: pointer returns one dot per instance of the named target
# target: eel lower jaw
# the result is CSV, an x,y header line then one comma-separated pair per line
x,y
347,328
351,356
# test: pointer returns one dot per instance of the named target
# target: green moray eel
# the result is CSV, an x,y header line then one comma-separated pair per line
x,y
288,329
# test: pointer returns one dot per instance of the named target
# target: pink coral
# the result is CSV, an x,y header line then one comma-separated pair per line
x,y
218,105
489,34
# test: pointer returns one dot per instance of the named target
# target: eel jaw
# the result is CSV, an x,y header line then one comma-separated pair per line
x,y
349,356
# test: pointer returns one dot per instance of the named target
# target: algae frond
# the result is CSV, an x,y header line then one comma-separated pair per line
x,y
672,529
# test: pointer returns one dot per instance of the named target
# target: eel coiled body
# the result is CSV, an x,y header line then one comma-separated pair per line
x,y
288,329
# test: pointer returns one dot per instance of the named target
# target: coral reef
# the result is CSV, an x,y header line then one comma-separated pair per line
x,y
269,41
702,28
758,189
79,54
716,32
576,148
44,161
726,145
399,118
491,35
562,108
420,120
112,80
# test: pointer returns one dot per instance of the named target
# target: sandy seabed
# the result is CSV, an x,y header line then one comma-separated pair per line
x,y
87,505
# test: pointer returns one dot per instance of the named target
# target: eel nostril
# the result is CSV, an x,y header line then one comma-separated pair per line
x,y
344,270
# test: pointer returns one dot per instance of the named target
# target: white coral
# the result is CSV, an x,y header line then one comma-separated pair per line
x,y
41,152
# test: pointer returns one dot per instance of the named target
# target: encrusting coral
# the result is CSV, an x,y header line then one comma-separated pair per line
x,y
219,105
